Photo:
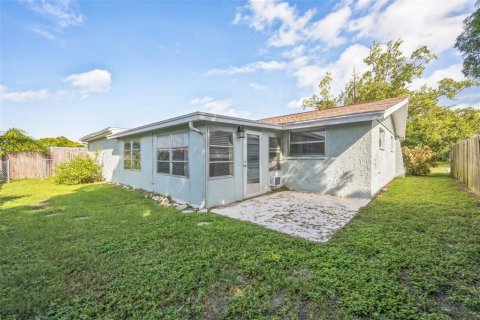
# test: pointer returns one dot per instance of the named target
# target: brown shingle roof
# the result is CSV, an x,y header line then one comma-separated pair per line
x,y
376,106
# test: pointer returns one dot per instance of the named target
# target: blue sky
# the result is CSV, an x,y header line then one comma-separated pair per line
x,y
70,68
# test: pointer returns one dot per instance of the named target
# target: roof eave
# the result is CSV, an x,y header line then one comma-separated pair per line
x,y
191,117
369,116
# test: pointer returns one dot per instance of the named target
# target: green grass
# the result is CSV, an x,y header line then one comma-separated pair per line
x,y
442,167
99,251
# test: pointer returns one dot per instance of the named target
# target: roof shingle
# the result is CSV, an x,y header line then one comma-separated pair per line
x,y
375,106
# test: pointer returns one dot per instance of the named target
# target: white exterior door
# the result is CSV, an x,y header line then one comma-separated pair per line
x,y
251,163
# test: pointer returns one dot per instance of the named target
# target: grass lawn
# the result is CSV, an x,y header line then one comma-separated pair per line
x,y
99,251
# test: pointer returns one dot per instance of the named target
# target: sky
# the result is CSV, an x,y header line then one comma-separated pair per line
x,y
73,67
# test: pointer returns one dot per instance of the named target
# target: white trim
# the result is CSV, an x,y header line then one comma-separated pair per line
x,y
191,117
331,121
394,108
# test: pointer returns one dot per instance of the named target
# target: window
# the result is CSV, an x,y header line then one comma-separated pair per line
x,y
220,153
131,155
172,154
307,143
381,139
392,144
274,153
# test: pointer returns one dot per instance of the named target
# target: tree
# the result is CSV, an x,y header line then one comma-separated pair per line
x,y
390,74
325,100
18,140
468,43
59,142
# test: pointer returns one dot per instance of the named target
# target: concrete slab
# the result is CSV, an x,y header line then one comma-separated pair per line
x,y
311,216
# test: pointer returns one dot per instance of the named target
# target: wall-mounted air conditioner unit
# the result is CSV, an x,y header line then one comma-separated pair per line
x,y
275,181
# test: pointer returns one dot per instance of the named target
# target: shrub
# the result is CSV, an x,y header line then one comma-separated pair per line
x,y
83,169
418,160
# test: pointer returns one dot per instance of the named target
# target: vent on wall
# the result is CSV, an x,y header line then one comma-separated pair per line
x,y
275,181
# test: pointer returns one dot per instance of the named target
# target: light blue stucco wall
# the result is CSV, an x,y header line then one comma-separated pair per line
x,y
345,170
183,189
349,167
384,161
108,156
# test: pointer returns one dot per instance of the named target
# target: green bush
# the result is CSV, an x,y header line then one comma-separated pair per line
x,y
419,160
83,169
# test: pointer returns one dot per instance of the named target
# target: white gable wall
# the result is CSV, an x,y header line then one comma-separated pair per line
x,y
384,161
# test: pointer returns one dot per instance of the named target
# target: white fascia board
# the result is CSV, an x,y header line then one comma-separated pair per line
x,y
394,108
399,114
96,135
332,121
237,121
191,117
156,125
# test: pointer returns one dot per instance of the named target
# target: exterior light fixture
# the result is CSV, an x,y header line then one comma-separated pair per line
x,y
241,132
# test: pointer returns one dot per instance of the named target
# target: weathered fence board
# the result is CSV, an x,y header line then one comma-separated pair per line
x,y
465,165
24,165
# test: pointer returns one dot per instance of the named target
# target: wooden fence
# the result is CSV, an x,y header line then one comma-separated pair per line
x,y
465,165
33,164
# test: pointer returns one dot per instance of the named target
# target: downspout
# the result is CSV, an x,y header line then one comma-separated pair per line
x,y
203,204
154,162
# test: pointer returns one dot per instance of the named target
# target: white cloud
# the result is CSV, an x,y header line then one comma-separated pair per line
x,y
432,23
63,13
329,28
44,33
257,87
92,81
216,106
296,103
341,70
454,71
22,96
249,68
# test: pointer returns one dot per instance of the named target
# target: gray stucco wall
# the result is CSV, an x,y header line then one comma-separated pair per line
x,y
353,165
345,170
383,160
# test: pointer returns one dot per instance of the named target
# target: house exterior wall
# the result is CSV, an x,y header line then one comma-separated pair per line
x,y
223,190
353,165
383,160
183,189
345,170
108,155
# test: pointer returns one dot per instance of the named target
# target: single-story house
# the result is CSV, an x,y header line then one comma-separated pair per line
x,y
209,160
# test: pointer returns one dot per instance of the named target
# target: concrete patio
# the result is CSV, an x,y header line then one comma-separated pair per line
x,y
311,216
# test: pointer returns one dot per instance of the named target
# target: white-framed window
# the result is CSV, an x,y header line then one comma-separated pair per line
x,y
274,153
220,153
392,143
381,139
172,154
307,143
132,155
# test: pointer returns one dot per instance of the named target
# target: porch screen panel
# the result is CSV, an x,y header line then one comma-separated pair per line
x,y
163,154
274,154
253,158
220,153
180,154
132,155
